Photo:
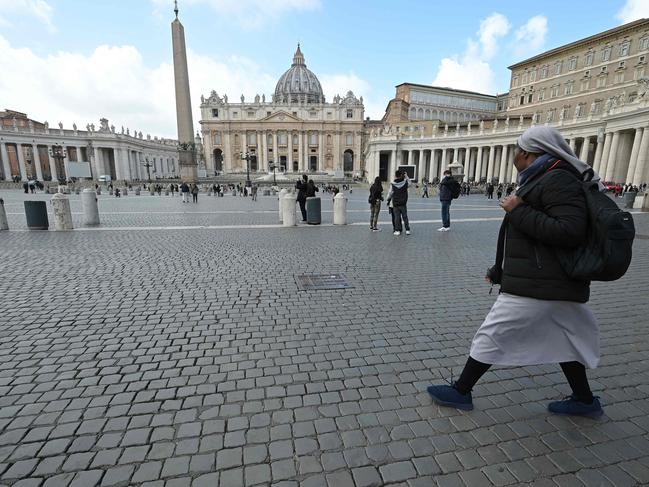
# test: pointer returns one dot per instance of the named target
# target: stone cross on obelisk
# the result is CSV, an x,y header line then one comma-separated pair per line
x,y
186,147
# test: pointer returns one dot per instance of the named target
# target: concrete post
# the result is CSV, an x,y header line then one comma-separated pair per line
x,y
340,209
62,214
288,205
90,208
4,224
282,193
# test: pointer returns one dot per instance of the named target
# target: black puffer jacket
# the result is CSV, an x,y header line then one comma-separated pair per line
x,y
552,216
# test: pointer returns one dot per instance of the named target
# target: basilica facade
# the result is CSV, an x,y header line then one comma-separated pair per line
x,y
296,131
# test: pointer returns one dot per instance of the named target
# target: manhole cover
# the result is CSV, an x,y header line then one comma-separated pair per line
x,y
317,282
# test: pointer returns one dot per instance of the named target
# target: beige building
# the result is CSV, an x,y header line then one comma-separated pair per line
x,y
594,91
297,131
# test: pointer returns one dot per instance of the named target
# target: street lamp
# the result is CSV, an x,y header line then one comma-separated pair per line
x,y
271,164
58,153
148,165
247,158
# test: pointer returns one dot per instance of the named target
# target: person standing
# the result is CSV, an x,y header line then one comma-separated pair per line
x,y
376,196
301,186
541,314
398,195
311,189
499,194
184,189
194,193
425,190
449,189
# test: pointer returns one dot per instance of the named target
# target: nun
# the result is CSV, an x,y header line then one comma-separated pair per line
x,y
541,315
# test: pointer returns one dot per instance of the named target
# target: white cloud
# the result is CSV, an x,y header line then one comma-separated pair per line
x,y
530,37
471,69
633,10
35,8
114,82
250,14
340,84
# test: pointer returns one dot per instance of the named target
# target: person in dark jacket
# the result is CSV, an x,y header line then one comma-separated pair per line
x,y
184,189
311,189
445,198
398,195
301,187
376,196
540,315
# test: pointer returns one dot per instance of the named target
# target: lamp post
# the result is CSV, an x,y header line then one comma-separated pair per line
x,y
148,165
59,153
246,157
271,164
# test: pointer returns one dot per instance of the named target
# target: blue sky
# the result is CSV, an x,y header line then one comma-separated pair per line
x,y
79,60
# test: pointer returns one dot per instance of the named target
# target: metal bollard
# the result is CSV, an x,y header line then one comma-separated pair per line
x,y
4,224
313,211
288,206
340,209
90,208
282,193
62,213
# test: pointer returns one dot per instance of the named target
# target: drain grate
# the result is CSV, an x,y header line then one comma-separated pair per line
x,y
318,282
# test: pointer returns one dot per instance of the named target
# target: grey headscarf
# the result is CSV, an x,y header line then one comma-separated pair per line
x,y
542,139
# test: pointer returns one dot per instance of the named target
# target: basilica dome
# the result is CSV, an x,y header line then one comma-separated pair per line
x,y
298,83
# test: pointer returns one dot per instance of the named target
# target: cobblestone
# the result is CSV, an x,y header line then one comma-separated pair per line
x,y
160,357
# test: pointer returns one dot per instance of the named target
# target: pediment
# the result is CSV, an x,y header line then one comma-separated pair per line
x,y
281,116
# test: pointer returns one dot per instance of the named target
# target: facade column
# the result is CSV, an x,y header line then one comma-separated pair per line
x,y
300,152
467,163
126,166
321,162
275,152
610,162
573,144
289,143
478,165
583,154
36,160
635,151
443,162
643,156
599,151
21,161
514,173
227,151
490,162
503,163
53,169
601,169
5,161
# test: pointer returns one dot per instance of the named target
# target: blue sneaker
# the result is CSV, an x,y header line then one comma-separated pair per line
x,y
572,407
449,396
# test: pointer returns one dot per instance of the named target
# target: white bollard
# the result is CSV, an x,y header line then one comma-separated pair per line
x,y
90,208
4,224
62,213
340,209
282,193
288,206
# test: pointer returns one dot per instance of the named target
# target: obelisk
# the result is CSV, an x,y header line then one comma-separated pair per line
x,y
186,147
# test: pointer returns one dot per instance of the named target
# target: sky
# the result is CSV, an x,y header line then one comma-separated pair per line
x,y
76,61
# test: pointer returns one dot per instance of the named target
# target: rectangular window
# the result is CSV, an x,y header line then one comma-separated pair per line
x,y
568,89
619,77
282,139
542,95
313,139
596,107
557,67
252,138
313,114
639,73
589,58
522,100
295,114
585,84
268,114
550,116
533,76
251,114
349,139
524,79
235,114
601,81
644,43
606,54
295,139
529,98
217,138
544,72
572,64
624,48
215,112
350,113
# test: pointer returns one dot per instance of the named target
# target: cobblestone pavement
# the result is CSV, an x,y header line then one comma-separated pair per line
x,y
188,357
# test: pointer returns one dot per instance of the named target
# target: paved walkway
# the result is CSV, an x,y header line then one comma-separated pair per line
x,y
188,357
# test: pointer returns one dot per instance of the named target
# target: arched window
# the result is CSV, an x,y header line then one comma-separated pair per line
x,y
348,161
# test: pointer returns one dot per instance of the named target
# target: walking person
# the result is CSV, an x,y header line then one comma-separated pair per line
x,y
540,315
194,193
499,193
301,186
253,191
376,196
425,189
398,195
184,189
449,189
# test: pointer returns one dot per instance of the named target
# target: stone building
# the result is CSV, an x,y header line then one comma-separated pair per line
x,y
594,91
297,131
28,151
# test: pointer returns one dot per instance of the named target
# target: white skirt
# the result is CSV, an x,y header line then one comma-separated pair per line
x,y
528,331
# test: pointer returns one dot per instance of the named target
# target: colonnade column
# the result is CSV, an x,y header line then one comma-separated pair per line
x,y
478,166
21,162
53,169
643,156
635,151
289,144
600,151
583,154
490,162
300,150
503,163
275,153
36,160
443,162
321,162
605,153
610,161
573,144
5,161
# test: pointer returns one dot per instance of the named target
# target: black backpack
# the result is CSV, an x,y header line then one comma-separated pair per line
x,y
606,253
